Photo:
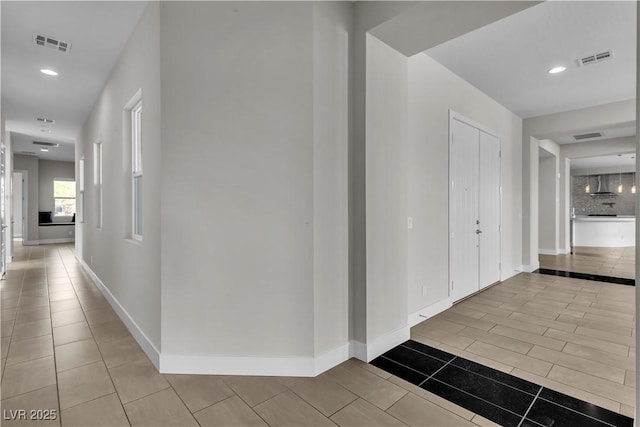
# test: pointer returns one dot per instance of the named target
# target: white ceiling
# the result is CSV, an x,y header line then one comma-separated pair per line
x,y
619,132
616,160
97,31
509,59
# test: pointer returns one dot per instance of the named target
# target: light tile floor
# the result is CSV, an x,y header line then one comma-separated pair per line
x,y
63,348
573,336
616,262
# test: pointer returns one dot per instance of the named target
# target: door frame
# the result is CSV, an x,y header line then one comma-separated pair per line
x,y
25,202
453,115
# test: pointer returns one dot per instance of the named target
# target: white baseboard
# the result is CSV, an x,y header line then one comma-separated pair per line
x,y
358,350
249,365
141,338
548,251
332,358
530,268
60,240
564,251
48,241
368,352
222,365
429,311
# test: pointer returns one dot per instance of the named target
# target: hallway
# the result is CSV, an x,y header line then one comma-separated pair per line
x,y
615,262
65,350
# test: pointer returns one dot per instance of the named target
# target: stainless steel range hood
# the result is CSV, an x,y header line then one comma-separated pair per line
x,y
603,188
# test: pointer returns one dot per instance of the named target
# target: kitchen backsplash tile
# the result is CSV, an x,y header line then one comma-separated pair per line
x,y
621,204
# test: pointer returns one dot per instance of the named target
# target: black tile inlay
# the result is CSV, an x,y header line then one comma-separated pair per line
x,y
587,408
586,276
550,414
425,349
474,404
399,370
495,395
490,390
515,382
414,359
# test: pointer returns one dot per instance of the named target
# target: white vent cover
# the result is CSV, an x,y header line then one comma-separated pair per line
x,y
595,58
588,136
51,42
26,153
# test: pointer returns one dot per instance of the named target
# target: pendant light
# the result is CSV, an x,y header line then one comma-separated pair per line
x,y
620,181
587,189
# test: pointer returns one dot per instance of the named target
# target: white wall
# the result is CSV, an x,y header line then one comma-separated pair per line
x,y
254,205
331,28
386,191
548,207
433,91
30,165
47,171
129,269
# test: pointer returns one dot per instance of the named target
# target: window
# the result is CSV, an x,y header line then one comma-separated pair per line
x,y
64,197
136,170
97,179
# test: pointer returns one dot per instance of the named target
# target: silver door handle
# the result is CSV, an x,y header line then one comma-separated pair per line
x,y
478,231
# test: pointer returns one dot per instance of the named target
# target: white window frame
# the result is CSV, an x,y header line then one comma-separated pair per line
x,y
55,198
97,178
136,168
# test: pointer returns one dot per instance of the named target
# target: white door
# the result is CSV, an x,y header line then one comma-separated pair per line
x,y
474,208
17,204
489,210
463,202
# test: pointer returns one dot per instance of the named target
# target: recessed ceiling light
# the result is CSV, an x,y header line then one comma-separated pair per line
x,y
556,70
48,72
44,149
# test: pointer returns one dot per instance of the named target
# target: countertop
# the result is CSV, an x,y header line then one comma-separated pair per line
x,y
619,218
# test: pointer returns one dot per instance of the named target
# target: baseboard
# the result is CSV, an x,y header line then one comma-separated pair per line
x,y
221,365
48,241
548,251
530,268
368,352
429,311
358,350
60,240
564,251
141,338
332,358
249,365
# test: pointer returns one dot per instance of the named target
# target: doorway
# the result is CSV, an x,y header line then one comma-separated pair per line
x,y
19,199
474,207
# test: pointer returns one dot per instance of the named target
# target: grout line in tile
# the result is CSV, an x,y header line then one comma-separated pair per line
x,y
578,412
530,406
432,375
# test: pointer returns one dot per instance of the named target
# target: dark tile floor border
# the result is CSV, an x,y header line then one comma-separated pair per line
x,y
587,276
495,395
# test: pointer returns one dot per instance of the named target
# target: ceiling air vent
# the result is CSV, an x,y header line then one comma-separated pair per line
x,y
26,153
595,58
51,42
46,144
588,136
